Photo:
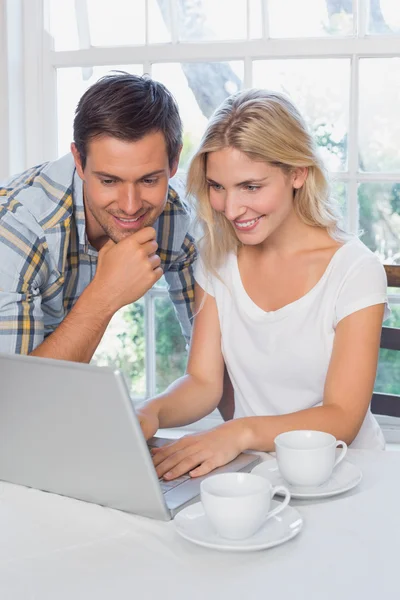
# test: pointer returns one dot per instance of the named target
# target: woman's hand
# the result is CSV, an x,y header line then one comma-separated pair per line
x,y
148,422
200,453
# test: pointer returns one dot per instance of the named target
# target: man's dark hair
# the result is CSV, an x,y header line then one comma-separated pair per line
x,y
127,107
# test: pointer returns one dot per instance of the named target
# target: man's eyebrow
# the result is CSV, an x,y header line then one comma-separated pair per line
x,y
116,178
107,175
159,172
247,182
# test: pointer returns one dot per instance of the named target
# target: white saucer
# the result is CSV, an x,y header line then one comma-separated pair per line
x,y
192,524
344,477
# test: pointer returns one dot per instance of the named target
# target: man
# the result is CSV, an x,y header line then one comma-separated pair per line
x,y
84,235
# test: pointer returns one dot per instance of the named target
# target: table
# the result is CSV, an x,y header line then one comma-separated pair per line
x,y
54,548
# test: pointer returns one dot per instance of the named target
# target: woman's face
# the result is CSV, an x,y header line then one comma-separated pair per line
x,y
254,196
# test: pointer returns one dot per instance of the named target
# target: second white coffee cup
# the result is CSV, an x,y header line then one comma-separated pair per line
x,y
238,504
307,458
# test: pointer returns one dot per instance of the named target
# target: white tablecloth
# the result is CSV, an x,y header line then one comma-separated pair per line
x,y
53,548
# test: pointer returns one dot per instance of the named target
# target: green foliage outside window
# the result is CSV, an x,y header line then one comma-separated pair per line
x,y
171,355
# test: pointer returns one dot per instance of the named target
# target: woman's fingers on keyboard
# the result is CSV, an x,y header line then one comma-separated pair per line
x,y
181,463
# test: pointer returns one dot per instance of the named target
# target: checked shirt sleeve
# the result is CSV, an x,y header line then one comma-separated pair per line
x,y
180,282
22,268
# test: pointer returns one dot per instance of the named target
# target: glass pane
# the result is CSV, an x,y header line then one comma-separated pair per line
x,y
116,23
320,88
394,319
379,123
171,355
161,283
379,206
208,20
159,22
63,25
101,23
255,19
383,17
72,82
198,88
339,192
123,347
388,374
290,18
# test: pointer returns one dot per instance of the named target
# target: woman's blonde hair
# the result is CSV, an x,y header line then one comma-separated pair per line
x,y
267,127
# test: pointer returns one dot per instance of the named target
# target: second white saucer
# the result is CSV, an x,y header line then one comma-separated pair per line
x,y
344,477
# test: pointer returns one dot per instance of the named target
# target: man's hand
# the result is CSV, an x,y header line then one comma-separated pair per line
x,y
148,422
127,270
200,453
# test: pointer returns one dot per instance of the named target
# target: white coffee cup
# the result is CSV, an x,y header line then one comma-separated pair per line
x,y
238,504
307,458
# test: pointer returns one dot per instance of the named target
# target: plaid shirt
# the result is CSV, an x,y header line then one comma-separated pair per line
x,y
46,260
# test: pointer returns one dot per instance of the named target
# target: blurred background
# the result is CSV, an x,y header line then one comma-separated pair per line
x,y
339,60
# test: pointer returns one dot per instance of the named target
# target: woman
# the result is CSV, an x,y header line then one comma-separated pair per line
x,y
292,303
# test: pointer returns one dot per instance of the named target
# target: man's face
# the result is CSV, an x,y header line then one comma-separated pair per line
x,y
125,185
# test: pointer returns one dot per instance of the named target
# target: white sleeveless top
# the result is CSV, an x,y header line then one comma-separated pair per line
x,y
278,360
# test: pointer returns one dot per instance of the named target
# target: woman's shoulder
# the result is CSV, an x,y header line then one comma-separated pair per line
x,y
354,254
356,265
360,281
359,268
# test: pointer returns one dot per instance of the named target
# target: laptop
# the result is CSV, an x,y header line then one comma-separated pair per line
x,y
71,429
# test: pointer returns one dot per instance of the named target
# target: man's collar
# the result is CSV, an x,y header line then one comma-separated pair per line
x,y
80,218
79,209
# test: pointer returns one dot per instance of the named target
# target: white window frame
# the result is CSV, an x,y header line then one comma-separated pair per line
x,y
28,66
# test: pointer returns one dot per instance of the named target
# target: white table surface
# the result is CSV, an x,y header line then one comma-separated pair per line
x,y
56,548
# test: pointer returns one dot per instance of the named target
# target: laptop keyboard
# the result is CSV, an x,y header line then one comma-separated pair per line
x,y
166,486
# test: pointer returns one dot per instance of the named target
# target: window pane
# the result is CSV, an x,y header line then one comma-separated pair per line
x,y
72,82
255,19
379,206
159,22
101,23
383,17
161,283
116,22
123,347
320,88
339,192
394,319
198,88
63,25
209,20
388,374
290,18
379,123
171,355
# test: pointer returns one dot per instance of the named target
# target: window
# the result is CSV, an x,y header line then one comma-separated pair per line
x,y
339,60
